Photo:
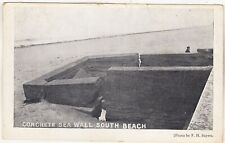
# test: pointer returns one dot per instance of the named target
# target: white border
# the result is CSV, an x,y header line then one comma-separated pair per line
x,y
117,135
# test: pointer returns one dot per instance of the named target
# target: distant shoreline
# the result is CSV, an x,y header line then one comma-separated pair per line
x,y
94,38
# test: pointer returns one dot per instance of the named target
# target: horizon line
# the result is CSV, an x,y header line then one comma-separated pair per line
x,y
110,36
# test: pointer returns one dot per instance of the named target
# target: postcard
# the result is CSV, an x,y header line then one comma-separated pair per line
x,y
113,72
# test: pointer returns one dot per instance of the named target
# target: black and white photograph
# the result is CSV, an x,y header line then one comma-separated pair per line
x,y
114,66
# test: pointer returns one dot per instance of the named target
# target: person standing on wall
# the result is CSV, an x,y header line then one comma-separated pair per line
x,y
188,50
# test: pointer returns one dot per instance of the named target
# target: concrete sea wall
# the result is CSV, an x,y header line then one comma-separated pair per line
x,y
165,97
194,59
76,83
163,92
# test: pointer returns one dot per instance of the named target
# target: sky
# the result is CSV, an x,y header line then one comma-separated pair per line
x,y
73,22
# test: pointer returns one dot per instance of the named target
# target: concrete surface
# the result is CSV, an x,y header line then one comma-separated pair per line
x,y
164,97
76,92
203,116
175,60
64,86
